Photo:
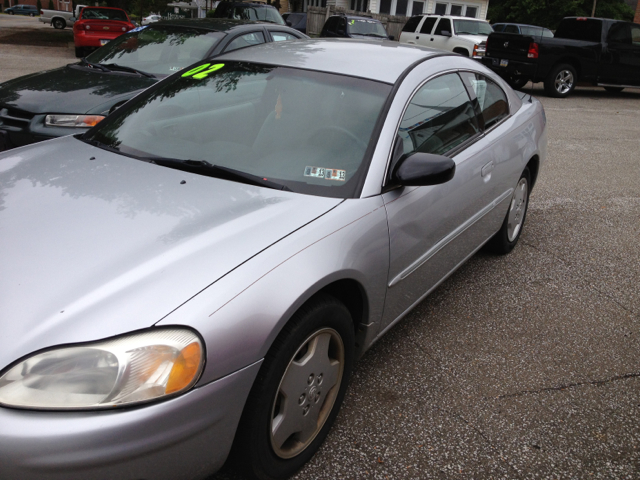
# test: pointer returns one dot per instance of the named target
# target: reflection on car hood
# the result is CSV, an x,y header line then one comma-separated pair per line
x,y
474,38
94,248
69,90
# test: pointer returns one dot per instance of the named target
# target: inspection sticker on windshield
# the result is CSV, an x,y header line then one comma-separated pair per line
x,y
317,172
335,174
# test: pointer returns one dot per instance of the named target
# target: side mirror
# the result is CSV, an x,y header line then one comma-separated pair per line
x,y
445,33
422,169
391,37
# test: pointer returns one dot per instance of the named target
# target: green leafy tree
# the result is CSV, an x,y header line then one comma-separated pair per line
x,y
548,13
39,5
6,4
51,7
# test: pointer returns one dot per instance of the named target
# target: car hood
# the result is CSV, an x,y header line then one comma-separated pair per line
x,y
91,248
71,89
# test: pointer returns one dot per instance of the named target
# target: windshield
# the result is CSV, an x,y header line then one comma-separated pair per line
x,y
303,129
248,12
366,27
159,50
472,27
103,14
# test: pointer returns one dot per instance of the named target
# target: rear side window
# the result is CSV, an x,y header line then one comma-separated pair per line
x,y
246,40
412,24
498,27
331,25
443,25
439,117
491,99
428,24
588,29
511,29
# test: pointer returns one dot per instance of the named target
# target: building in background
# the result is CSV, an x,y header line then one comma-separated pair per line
x,y
463,8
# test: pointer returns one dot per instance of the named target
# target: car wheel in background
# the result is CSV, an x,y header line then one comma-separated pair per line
x,y
508,235
614,89
298,392
59,23
10,12
561,81
32,14
80,52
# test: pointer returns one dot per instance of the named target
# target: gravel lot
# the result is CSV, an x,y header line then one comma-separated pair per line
x,y
523,366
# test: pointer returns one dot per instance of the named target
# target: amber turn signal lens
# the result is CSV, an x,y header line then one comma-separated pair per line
x,y
185,368
92,120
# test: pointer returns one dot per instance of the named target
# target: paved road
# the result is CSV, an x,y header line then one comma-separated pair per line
x,y
523,366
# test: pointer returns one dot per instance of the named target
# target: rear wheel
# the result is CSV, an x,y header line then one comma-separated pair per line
x,y
517,82
561,81
10,13
80,52
298,392
32,14
508,235
614,89
59,24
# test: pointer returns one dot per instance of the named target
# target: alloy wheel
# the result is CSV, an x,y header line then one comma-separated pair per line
x,y
517,209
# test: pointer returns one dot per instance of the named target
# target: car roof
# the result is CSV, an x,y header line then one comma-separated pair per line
x,y
214,24
383,61
457,17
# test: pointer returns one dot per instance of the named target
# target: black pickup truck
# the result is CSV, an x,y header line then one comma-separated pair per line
x,y
591,51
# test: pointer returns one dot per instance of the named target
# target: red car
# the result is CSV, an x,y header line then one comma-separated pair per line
x,y
96,26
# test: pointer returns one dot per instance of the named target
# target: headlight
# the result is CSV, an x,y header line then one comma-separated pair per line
x,y
135,368
82,121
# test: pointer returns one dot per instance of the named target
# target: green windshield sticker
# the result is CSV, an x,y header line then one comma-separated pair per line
x,y
195,70
353,22
206,73
200,74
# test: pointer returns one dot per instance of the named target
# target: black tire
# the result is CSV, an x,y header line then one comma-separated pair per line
x,y
32,14
614,89
59,24
462,51
507,238
80,52
10,13
561,81
257,450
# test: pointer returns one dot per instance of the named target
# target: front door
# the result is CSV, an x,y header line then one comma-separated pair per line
x,y
623,46
434,228
439,39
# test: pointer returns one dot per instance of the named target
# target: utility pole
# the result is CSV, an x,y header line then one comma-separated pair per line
x,y
593,12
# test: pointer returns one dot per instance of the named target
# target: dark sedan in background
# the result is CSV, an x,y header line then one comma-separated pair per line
x,y
73,98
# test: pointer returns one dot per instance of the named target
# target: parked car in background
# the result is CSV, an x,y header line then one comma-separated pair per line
x,y
30,10
97,26
596,51
522,29
71,99
297,20
151,19
204,266
466,36
353,26
248,11
59,18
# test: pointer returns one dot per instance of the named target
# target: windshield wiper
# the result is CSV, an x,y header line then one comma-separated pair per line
x,y
97,66
205,168
127,69
371,35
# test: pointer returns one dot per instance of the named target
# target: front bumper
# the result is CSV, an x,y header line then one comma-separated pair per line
x,y
187,437
514,68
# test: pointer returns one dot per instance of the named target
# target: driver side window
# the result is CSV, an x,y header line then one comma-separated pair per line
x,y
438,118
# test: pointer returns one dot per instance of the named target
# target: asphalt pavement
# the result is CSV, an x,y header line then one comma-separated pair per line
x,y
517,367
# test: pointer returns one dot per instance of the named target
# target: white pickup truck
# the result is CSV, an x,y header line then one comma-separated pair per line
x,y
466,36
60,18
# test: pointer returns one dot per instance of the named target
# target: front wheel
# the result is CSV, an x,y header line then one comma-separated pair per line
x,y
32,14
298,392
59,24
561,81
10,13
509,233
80,52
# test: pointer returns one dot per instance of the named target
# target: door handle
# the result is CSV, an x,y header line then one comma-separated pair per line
x,y
487,169
432,39
417,37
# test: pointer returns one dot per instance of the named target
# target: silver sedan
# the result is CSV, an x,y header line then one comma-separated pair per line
x,y
197,277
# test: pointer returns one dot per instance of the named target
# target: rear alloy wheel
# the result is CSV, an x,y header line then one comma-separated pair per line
x,y
517,81
298,392
561,81
59,24
508,235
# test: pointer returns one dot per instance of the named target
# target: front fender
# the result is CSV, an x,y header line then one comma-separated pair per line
x,y
240,315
